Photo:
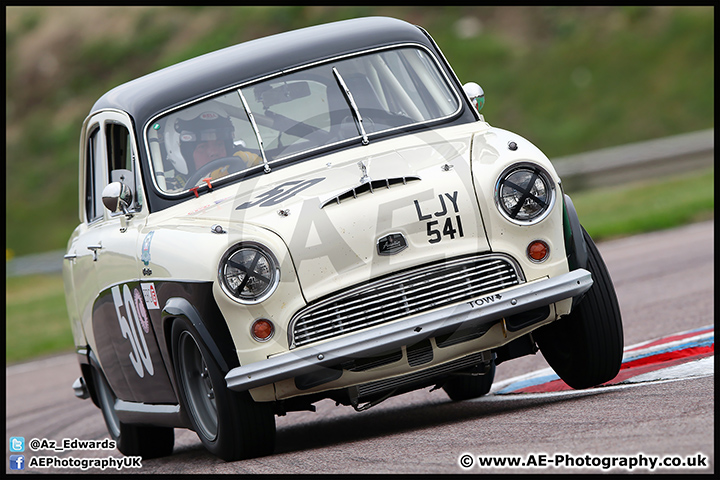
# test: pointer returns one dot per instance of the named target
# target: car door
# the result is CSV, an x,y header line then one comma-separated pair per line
x,y
79,259
108,254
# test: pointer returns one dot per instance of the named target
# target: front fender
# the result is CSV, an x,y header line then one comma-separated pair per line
x,y
225,357
575,247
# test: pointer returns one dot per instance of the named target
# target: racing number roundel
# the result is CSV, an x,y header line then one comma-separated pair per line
x,y
132,330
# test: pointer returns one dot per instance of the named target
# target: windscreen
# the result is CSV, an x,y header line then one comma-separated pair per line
x,y
306,110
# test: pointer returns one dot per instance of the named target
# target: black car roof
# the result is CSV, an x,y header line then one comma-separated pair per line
x,y
151,94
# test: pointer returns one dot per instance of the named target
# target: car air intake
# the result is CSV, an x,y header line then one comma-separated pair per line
x,y
402,294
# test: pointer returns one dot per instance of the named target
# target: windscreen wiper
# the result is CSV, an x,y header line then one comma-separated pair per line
x,y
353,106
257,131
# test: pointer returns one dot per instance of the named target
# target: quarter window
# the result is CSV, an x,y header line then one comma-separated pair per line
x,y
120,157
109,158
93,178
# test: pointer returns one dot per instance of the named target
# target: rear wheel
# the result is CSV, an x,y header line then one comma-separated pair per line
x,y
230,424
132,440
465,387
585,348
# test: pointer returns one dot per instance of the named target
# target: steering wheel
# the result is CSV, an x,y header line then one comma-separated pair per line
x,y
310,137
382,119
234,164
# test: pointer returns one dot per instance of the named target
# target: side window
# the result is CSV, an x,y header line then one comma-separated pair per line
x,y
120,158
93,179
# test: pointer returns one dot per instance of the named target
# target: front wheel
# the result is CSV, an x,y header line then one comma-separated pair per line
x,y
229,424
585,348
131,440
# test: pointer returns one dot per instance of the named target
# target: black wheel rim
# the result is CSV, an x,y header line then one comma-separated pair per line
x,y
198,386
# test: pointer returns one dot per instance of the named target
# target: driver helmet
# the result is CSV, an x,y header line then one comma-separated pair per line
x,y
207,126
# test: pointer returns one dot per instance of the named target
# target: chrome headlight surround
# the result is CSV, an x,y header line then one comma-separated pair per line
x,y
525,193
249,273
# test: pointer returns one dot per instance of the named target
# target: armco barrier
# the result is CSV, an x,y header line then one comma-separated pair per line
x,y
637,161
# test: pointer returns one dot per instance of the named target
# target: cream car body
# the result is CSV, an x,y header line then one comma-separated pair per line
x,y
364,233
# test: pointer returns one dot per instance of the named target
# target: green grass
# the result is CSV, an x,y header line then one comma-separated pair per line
x,y
37,321
36,317
646,206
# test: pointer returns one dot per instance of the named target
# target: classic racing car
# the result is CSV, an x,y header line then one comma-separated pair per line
x,y
322,213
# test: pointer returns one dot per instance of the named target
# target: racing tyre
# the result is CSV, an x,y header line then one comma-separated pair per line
x,y
230,424
465,387
132,440
585,348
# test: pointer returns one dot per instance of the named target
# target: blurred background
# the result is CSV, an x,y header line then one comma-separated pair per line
x,y
569,79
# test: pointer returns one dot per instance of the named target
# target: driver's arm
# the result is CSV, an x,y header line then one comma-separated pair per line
x,y
250,159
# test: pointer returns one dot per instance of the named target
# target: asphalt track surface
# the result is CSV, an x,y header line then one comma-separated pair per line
x,y
665,285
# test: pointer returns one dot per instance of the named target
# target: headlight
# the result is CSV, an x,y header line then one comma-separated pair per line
x,y
249,272
525,193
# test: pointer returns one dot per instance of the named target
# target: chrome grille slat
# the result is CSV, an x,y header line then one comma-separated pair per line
x,y
408,293
363,302
394,286
389,314
336,315
348,321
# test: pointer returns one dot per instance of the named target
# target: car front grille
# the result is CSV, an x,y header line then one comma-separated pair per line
x,y
403,294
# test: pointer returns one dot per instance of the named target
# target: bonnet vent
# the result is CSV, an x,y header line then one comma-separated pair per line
x,y
368,186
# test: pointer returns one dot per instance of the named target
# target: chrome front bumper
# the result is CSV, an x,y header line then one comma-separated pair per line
x,y
366,343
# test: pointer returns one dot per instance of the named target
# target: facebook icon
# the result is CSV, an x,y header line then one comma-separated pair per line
x,y
17,462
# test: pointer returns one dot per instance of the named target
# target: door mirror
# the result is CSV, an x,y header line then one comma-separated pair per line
x,y
476,94
117,197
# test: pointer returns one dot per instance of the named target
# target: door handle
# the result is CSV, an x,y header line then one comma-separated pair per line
x,y
94,249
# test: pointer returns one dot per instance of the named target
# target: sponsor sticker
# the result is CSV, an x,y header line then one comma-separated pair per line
x,y
150,295
145,256
142,313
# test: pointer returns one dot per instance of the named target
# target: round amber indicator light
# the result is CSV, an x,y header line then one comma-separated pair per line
x,y
262,330
538,251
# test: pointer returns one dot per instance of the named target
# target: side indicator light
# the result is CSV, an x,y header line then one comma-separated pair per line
x,y
262,330
538,251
